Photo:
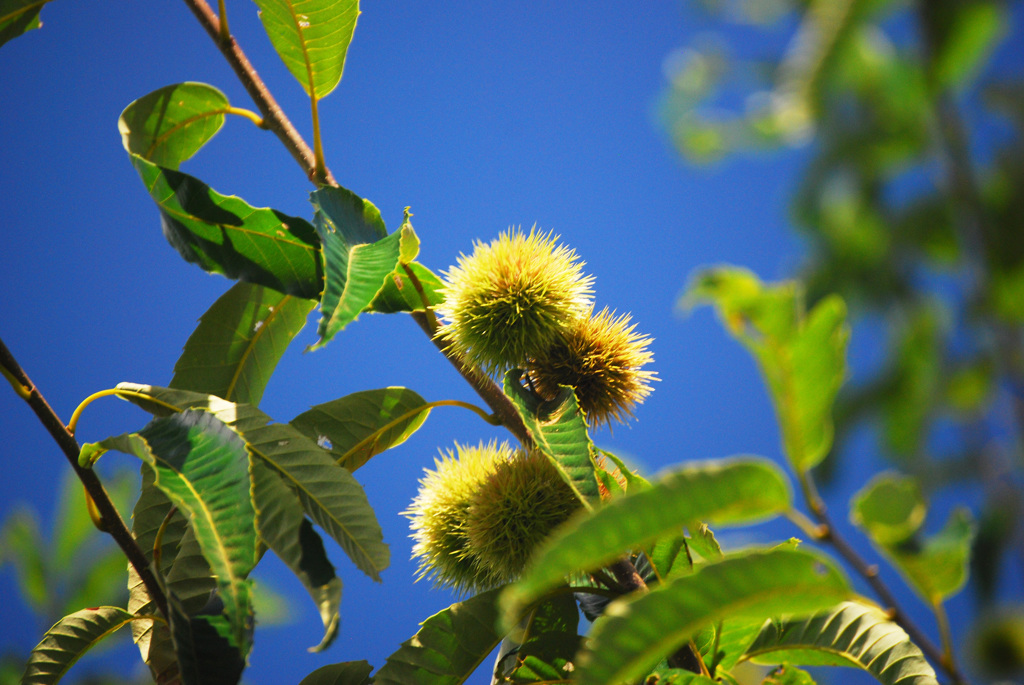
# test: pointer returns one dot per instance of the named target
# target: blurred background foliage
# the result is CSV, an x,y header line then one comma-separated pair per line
x,y
911,205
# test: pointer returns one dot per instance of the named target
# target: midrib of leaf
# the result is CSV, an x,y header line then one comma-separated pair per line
x,y
305,53
298,485
158,140
23,10
210,521
373,437
252,345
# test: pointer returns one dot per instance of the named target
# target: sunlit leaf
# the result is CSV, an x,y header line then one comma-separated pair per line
x,y
890,508
449,646
851,634
239,340
559,429
938,567
723,492
331,497
639,630
788,675
549,645
971,32
802,356
69,639
18,17
312,38
202,466
282,524
345,673
364,424
399,294
225,235
170,124
358,256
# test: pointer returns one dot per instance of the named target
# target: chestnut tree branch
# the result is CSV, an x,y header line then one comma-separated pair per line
x,y
110,517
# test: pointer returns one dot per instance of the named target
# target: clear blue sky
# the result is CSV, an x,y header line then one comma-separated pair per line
x,y
479,119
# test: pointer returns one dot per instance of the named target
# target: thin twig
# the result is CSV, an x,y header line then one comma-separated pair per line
x,y
273,115
115,525
829,534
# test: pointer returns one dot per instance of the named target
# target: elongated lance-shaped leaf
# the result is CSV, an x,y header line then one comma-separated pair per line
x,y
448,648
282,524
358,256
331,497
312,38
851,634
364,424
202,466
18,17
225,235
802,356
170,124
639,630
345,673
559,429
722,492
239,341
185,573
69,639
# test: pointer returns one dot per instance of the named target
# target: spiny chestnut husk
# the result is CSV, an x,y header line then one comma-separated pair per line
x,y
512,298
479,516
601,358
514,509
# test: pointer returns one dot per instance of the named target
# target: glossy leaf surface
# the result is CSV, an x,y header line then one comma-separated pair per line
x,y
312,38
18,17
201,465
225,235
69,639
364,424
637,632
399,294
330,496
851,634
358,256
239,341
559,429
719,492
170,124
449,646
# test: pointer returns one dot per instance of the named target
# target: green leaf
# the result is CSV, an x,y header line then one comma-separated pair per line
x,y
202,467
312,38
358,256
399,293
239,341
549,645
802,356
639,630
559,429
851,634
345,673
282,525
364,424
19,545
18,17
938,568
225,235
973,31
788,675
890,508
331,497
69,639
722,492
170,124
448,648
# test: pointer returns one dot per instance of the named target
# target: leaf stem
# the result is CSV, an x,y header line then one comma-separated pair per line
x,y
946,636
869,572
430,315
319,163
222,14
70,447
274,117
248,114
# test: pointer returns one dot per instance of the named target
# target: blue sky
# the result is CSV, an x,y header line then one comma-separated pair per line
x,y
479,119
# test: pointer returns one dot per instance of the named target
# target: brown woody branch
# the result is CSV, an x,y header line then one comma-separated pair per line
x,y
110,517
